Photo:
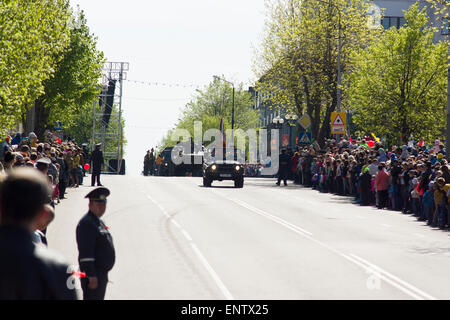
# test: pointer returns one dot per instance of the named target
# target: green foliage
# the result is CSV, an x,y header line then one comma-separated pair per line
x,y
74,85
398,84
33,35
297,61
213,103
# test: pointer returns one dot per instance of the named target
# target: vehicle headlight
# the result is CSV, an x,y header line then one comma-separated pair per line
x,y
213,167
165,164
237,168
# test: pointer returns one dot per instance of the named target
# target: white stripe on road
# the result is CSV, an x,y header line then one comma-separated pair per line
x,y
176,224
367,266
269,216
213,274
186,235
406,286
272,217
196,250
370,270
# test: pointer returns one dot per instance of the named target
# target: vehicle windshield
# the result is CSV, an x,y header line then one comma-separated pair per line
x,y
224,154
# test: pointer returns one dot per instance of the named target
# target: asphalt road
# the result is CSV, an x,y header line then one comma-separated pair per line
x,y
175,239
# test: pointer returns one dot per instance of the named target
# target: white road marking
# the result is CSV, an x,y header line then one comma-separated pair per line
x,y
397,282
386,276
176,224
196,250
213,274
269,216
186,235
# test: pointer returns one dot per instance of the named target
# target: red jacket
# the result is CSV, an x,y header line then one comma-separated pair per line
x,y
382,180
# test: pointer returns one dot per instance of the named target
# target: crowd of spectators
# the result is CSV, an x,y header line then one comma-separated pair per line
x,y
62,161
34,175
413,179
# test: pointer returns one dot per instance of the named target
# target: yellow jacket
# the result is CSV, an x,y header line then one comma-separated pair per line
x,y
446,188
438,197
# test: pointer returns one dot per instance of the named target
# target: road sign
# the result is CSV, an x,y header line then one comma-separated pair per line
x,y
338,118
337,130
305,121
58,126
304,137
338,122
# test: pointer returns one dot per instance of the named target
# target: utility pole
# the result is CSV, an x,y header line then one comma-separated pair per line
x,y
232,110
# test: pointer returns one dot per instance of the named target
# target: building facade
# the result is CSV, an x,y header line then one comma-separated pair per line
x,y
393,16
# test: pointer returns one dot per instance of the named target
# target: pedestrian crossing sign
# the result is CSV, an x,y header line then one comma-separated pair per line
x,y
304,137
338,118
338,122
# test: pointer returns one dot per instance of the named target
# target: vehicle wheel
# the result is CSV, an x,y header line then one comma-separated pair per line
x,y
206,182
239,183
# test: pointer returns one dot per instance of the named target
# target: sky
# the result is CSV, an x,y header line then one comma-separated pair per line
x,y
174,47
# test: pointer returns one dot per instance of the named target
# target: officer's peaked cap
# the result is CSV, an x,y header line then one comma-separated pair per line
x,y
98,194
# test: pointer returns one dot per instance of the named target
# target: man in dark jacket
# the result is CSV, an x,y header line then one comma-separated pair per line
x,y
28,271
366,183
396,171
95,247
283,169
97,163
147,163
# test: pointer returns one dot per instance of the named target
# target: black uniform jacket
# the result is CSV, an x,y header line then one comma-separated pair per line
x,y
97,160
29,271
95,246
284,161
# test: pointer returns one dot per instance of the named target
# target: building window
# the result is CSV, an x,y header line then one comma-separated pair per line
x,y
388,22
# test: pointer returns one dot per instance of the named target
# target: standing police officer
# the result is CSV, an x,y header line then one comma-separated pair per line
x,y
97,163
95,246
283,167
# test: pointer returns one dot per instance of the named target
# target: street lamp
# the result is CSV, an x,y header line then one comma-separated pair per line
x,y
278,122
232,110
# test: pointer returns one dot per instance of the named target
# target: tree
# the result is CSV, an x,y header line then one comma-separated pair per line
x,y
74,85
297,60
398,85
33,34
213,104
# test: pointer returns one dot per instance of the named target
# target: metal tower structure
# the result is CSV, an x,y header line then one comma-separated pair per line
x,y
107,115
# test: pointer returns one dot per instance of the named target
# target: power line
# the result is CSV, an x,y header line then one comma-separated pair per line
x,y
150,99
176,85
163,84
